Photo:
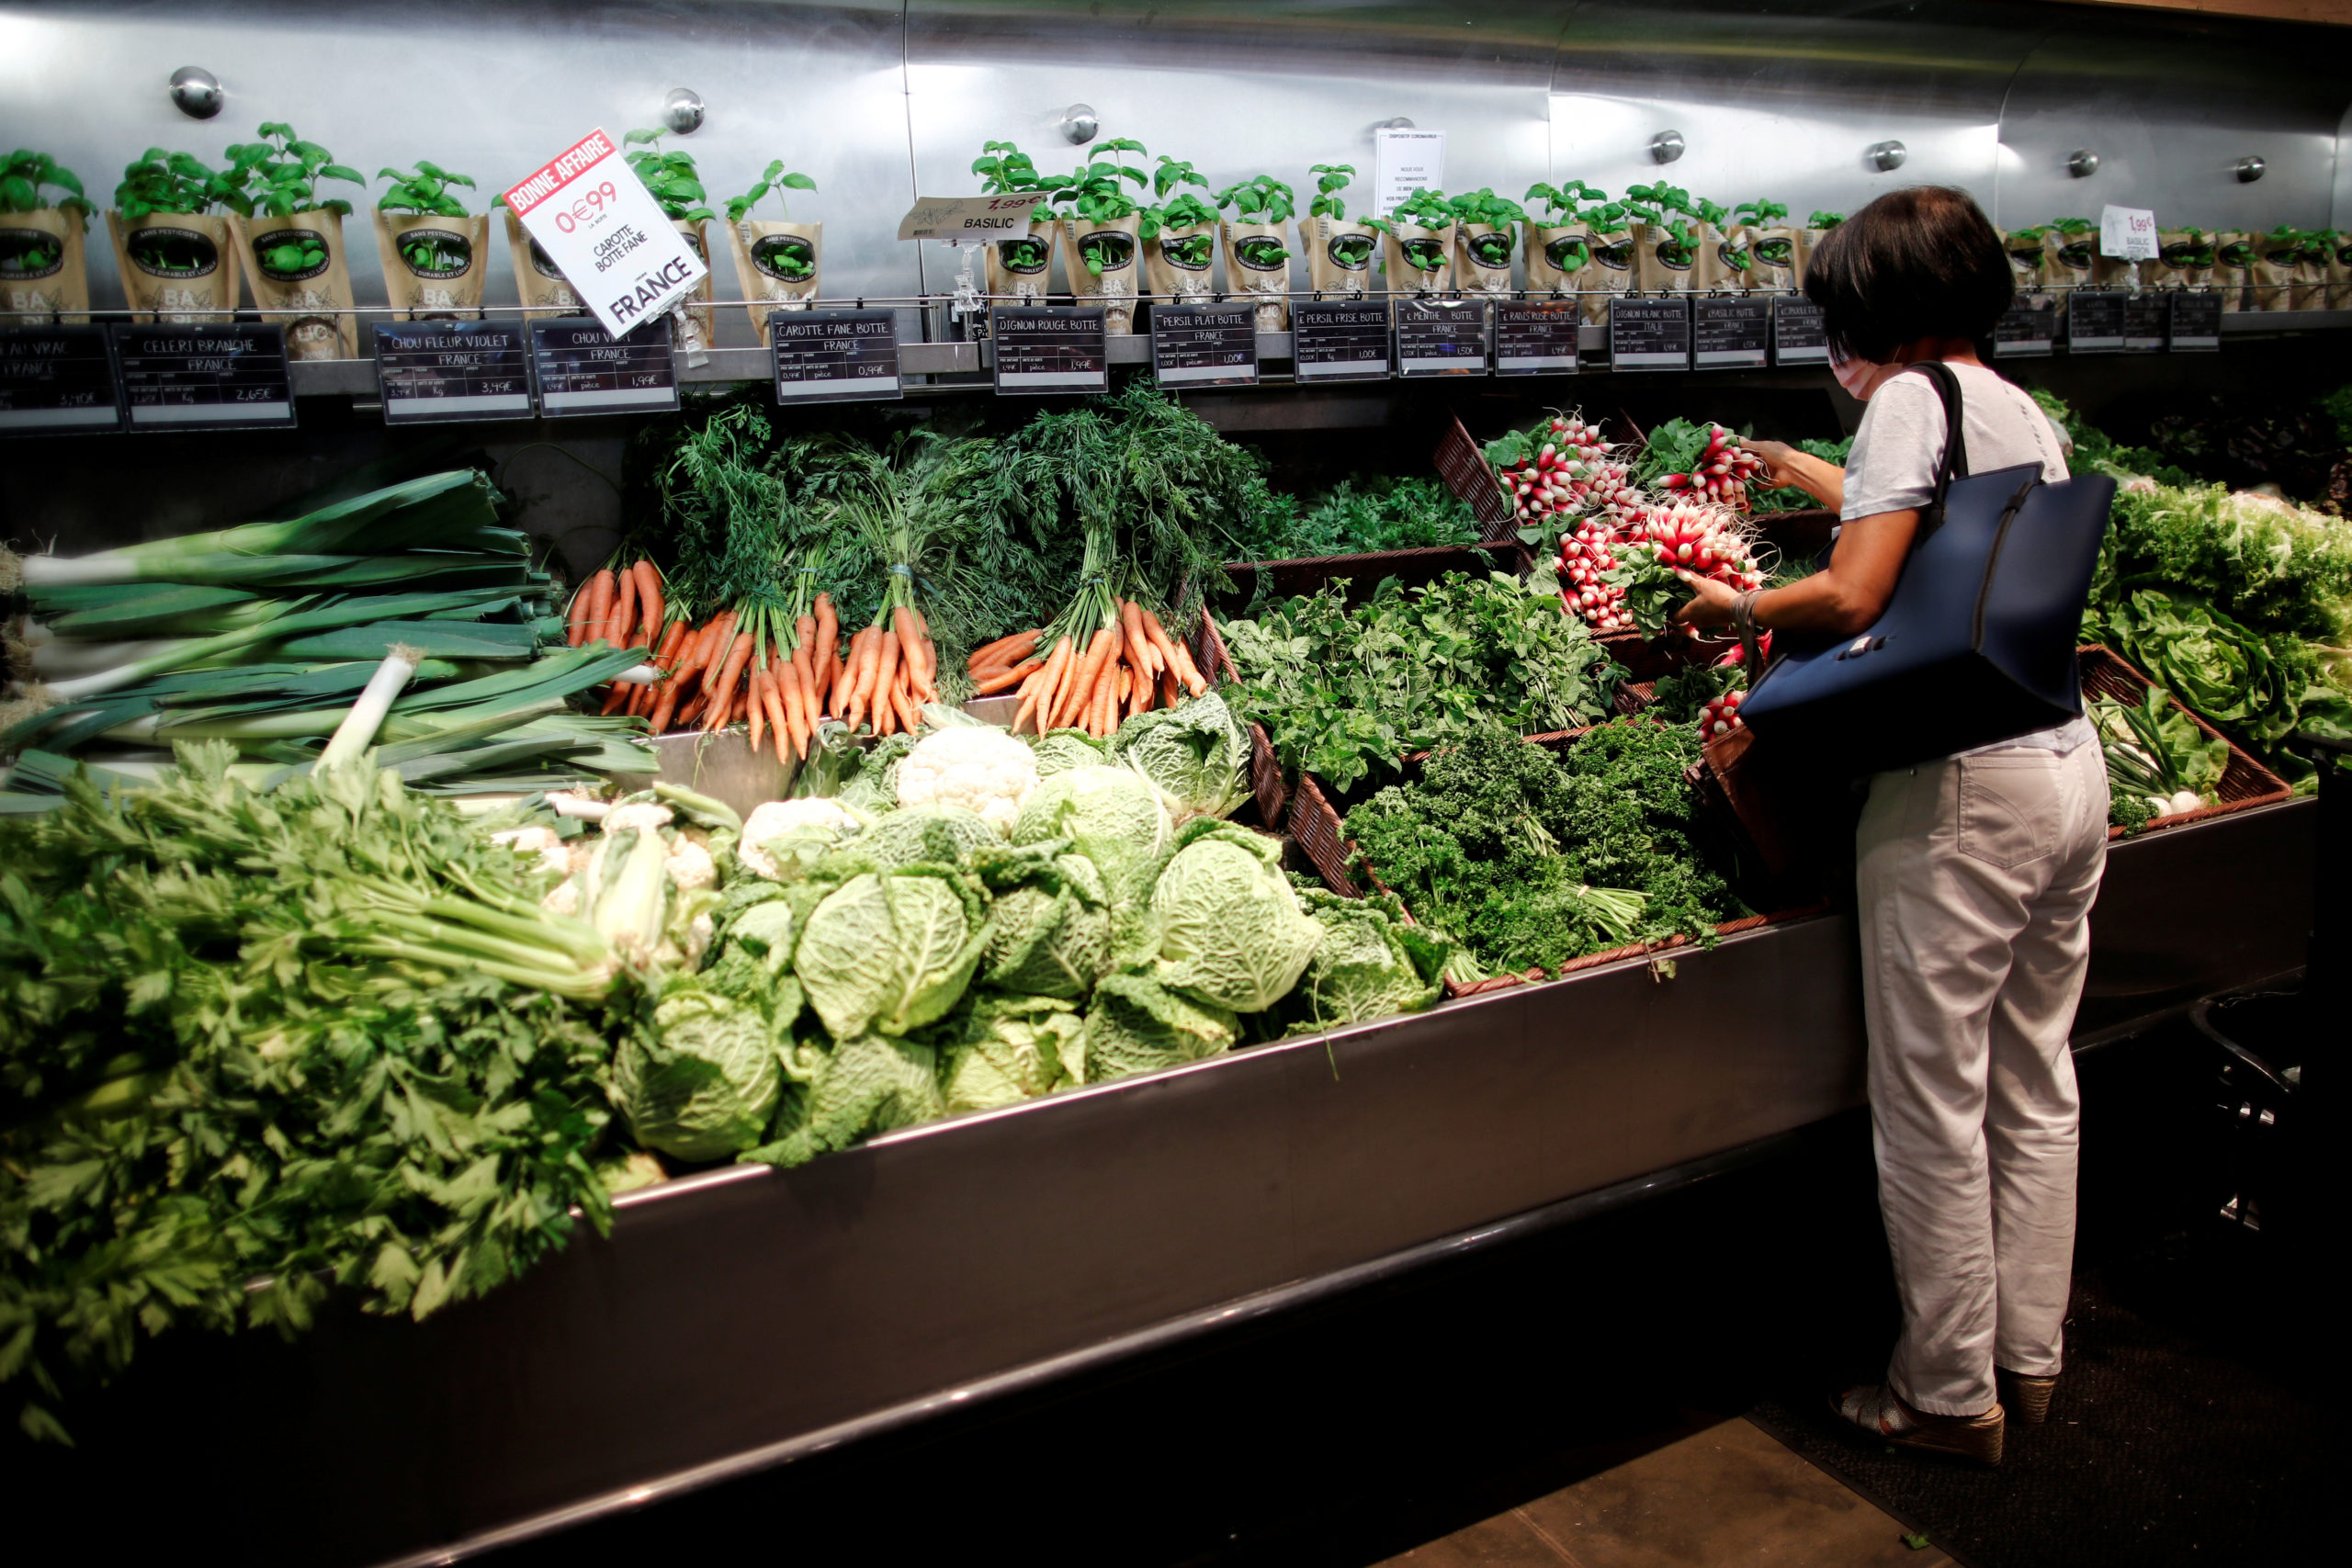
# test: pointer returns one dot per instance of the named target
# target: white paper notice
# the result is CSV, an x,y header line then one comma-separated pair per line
x,y
2127,233
969,219
1403,163
606,234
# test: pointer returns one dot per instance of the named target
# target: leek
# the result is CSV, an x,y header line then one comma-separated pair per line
x,y
358,726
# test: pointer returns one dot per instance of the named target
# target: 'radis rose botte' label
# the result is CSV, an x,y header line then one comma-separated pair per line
x,y
1180,264
1339,254
43,278
537,279
1102,262
778,263
435,267
1256,270
176,267
298,274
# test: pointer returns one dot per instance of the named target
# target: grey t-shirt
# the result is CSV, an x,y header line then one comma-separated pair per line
x,y
1901,440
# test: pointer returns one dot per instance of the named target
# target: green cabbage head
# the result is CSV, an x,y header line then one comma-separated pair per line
x,y
1196,753
923,835
1063,750
1110,816
1010,1049
890,951
1231,932
1369,964
866,1084
705,1082
1136,1025
1051,935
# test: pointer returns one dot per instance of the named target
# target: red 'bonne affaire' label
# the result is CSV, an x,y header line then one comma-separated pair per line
x,y
561,171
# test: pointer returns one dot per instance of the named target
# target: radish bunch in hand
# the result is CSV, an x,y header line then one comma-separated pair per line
x,y
1720,716
1722,473
1586,553
1705,540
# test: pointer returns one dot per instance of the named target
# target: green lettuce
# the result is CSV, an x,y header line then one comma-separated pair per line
x,y
1196,753
704,1084
890,951
1231,934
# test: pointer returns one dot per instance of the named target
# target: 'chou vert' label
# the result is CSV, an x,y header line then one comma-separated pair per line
x,y
175,253
290,256
28,254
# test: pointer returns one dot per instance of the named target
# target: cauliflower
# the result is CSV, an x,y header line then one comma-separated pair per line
x,y
690,866
563,898
982,769
639,814
774,819
544,842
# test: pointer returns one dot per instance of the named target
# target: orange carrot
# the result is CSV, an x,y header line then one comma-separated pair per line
x,y
759,714
1035,690
738,655
624,607
651,603
886,666
930,651
601,587
576,621
1080,689
829,637
857,681
998,683
1141,650
902,629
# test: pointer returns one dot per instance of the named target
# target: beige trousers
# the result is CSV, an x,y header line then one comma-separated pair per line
x,y
1976,876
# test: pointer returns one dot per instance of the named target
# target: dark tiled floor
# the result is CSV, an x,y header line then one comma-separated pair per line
x,y
1729,1494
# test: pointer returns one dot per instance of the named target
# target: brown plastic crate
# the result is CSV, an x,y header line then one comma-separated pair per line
x,y
1363,573
1206,646
1648,660
2244,782
1463,465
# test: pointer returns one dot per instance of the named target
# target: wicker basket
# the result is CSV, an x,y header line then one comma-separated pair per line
x,y
1207,648
2244,782
1649,660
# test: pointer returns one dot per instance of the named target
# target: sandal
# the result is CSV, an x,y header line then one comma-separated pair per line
x,y
2026,1398
1879,1411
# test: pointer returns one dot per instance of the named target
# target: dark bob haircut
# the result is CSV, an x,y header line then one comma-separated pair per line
x,y
1922,263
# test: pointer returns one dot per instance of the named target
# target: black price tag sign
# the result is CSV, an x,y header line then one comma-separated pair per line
x,y
835,355
2196,321
204,378
1730,333
1049,348
2095,321
2027,328
1205,346
1799,334
1536,337
1649,335
430,372
1339,341
584,369
1440,337
2144,316
56,380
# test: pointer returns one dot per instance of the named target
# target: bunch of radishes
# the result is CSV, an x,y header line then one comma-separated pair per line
x,y
1585,552
1720,716
1705,540
1571,471
1722,472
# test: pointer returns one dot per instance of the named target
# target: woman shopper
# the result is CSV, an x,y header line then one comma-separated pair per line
x,y
1975,874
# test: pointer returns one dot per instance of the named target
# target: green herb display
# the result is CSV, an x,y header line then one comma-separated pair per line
x,y
777,178
1330,180
1179,208
1005,169
23,179
177,182
1482,206
1346,693
2233,676
1559,201
260,1047
1532,858
283,171
669,177
1823,220
426,190
1093,193
1360,514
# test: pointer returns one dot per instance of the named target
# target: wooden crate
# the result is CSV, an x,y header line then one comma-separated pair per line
x,y
2244,782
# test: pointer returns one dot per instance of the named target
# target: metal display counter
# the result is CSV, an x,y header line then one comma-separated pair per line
x,y
743,1317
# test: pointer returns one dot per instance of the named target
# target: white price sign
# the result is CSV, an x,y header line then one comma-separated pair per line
x,y
606,234
1403,163
970,220
2127,233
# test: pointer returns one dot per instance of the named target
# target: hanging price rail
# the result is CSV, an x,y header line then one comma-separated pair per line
x,y
1205,346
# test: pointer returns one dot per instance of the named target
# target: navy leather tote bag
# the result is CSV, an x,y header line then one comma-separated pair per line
x,y
1977,644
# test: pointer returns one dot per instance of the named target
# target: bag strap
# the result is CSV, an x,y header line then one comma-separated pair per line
x,y
1954,461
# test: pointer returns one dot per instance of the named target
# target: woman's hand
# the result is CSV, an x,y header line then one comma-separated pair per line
x,y
1713,606
1778,473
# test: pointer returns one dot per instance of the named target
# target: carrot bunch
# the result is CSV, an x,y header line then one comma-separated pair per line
x,y
1090,679
891,671
620,605
770,670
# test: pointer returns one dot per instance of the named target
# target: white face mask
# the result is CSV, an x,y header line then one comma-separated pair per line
x,y
1854,375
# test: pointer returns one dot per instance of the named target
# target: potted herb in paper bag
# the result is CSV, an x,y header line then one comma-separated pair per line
x,y
1257,256
775,259
1419,232
1727,252
1666,245
2339,270
541,283
42,277
1558,245
174,244
1484,224
1178,235
2028,254
1338,254
2184,260
2235,260
677,185
1018,263
434,252
1774,249
1100,223
1816,229
2297,262
2074,257
290,242
1613,269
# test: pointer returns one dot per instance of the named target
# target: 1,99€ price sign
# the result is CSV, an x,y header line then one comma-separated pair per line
x,y
606,234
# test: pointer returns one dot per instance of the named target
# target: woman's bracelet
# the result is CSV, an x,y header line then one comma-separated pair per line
x,y
1743,617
